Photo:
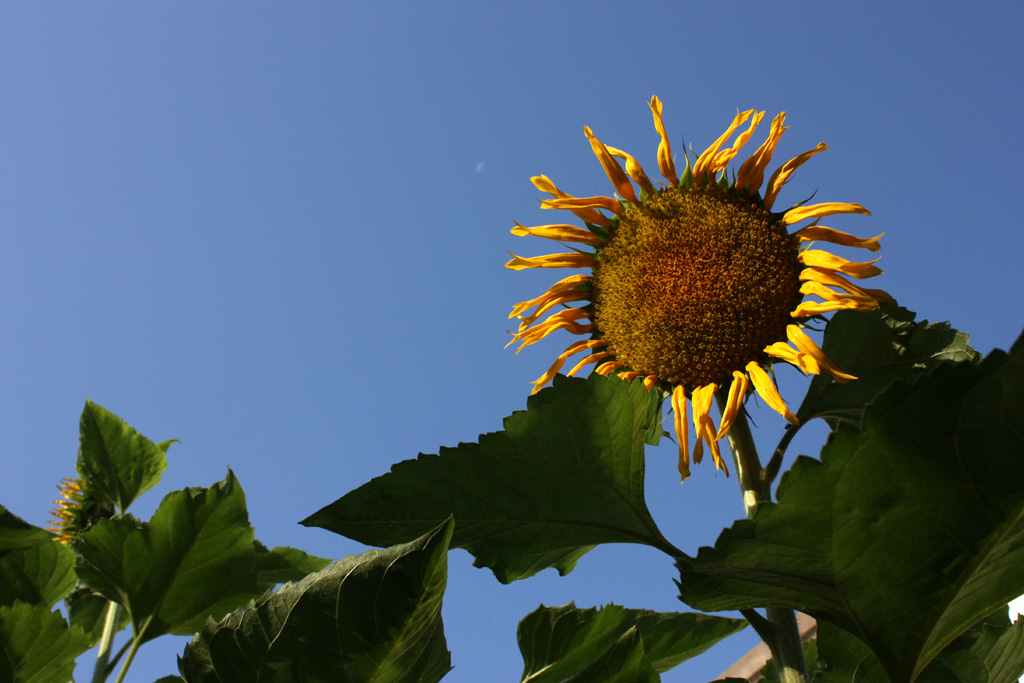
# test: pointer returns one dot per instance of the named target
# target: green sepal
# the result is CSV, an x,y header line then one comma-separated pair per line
x,y
918,512
369,617
565,475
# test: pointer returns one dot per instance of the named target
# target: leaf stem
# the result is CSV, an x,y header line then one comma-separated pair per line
x,y
113,615
136,644
779,630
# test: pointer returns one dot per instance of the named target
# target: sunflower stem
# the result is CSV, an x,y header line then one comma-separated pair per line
x,y
779,630
113,614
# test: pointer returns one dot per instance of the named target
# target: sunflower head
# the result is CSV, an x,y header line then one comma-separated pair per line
x,y
696,286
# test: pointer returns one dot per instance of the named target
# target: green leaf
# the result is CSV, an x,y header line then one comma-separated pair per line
x,y
556,642
919,514
193,559
370,617
284,564
33,568
116,462
878,347
624,662
565,475
36,644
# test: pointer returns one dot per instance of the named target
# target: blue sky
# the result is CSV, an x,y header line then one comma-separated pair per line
x,y
276,231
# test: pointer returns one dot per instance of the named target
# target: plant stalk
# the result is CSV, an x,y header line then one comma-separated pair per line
x,y
782,634
113,615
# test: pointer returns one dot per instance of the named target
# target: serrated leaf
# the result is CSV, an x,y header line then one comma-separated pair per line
x,y
284,564
36,645
565,475
623,662
557,642
921,514
878,347
194,558
116,462
34,569
374,616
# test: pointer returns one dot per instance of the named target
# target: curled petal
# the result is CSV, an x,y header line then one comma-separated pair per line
x,y
650,381
766,388
801,361
608,368
611,167
547,305
665,163
807,309
705,162
819,233
562,233
633,169
821,210
703,426
752,171
574,260
734,404
544,184
785,172
592,358
555,290
806,345
833,279
629,376
575,203
723,158
560,361
823,259
679,418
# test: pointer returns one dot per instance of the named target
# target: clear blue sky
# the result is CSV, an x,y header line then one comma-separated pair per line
x,y
275,231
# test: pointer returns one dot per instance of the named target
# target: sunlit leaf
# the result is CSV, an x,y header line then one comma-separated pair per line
x,y
565,475
33,568
116,462
36,644
919,514
558,642
625,661
370,617
878,347
194,558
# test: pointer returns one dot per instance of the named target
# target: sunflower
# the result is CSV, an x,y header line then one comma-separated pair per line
x,y
67,515
695,287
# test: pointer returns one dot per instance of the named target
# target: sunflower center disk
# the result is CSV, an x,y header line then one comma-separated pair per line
x,y
694,284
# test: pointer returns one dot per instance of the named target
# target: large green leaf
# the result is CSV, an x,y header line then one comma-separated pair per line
x,y
194,558
558,642
116,462
33,568
909,531
625,661
369,617
36,645
566,474
878,347
88,610
284,564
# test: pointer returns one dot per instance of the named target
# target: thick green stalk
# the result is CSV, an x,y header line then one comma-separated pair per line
x,y
113,615
780,632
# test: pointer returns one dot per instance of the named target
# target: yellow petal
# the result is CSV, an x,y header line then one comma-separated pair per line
x,y
833,279
555,290
704,427
611,167
801,361
823,259
807,345
551,302
818,289
650,381
821,210
665,163
562,233
633,169
723,158
785,172
574,260
592,358
576,203
704,163
560,361
608,368
734,404
544,184
752,171
679,415
766,388
806,309
819,233
629,376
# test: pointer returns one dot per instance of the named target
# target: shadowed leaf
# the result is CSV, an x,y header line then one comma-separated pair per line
x,y
36,644
33,568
